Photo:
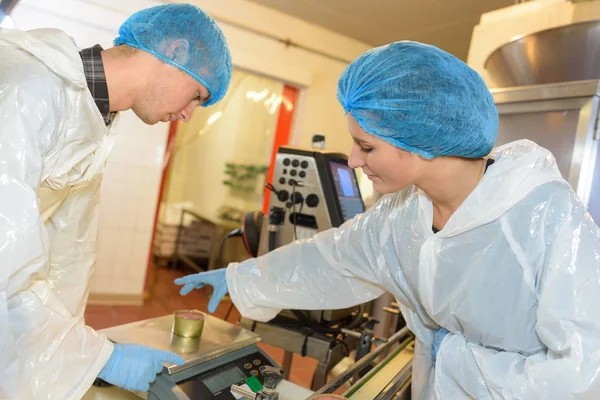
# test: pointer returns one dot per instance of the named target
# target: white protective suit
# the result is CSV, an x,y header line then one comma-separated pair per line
x,y
514,276
53,143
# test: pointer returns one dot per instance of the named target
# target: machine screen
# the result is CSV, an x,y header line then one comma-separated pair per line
x,y
224,379
347,189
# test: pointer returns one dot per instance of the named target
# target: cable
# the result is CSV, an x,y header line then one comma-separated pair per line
x,y
270,186
294,210
233,233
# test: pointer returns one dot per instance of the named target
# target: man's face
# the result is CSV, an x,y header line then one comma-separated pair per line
x,y
170,94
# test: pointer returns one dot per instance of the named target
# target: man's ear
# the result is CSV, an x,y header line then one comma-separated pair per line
x,y
178,51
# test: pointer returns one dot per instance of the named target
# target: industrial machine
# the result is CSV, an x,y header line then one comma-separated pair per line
x,y
316,189
563,118
561,54
223,356
313,190
226,363
551,98
383,374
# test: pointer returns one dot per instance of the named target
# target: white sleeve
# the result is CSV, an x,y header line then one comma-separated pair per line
x,y
568,323
73,233
46,351
336,269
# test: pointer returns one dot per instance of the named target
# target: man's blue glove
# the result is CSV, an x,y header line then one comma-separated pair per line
x,y
438,337
215,278
134,367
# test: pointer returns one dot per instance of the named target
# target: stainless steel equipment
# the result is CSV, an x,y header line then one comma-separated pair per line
x,y
315,190
318,191
388,379
562,54
563,118
223,356
318,346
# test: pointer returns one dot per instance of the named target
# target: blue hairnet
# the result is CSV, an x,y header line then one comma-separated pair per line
x,y
420,99
207,60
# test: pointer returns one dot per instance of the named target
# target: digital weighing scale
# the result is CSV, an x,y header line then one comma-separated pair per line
x,y
224,355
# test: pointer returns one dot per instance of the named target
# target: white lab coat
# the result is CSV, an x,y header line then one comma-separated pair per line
x,y
53,147
514,276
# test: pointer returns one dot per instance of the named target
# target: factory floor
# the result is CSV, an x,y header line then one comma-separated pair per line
x,y
163,298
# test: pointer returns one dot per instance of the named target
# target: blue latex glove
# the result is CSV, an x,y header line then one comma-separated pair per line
x,y
134,367
214,278
438,337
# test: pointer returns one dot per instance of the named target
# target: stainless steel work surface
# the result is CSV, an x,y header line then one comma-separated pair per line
x,y
218,338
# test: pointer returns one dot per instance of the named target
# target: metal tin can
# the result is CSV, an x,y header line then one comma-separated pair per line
x,y
188,323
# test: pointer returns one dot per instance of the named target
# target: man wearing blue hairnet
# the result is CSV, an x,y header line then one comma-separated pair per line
x,y
492,257
57,105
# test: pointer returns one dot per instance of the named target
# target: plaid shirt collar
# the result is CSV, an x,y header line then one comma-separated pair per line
x,y
96,80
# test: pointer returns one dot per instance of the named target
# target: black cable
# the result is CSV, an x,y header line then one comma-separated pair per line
x,y
294,210
233,233
271,188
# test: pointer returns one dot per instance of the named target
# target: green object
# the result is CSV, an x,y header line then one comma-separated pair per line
x,y
254,384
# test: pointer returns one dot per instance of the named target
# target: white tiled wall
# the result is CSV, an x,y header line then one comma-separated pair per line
x,y
129,197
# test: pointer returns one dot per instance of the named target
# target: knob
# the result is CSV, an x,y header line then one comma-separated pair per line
x,y
296,198
293,172
304,164
272,377
312,200
295,163
286,162
283,195
282,181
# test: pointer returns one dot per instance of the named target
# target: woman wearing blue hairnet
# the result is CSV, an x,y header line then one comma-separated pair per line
x,y
57,106
493,259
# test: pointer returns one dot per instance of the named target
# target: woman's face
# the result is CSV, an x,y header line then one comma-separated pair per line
x,y
388,167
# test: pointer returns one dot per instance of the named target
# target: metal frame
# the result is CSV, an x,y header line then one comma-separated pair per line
x,y
554,91
581,95
177,254
319,347
364,362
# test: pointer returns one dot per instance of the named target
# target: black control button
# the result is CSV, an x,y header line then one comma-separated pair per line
x,y
296,197
283,195
293,172
256,362
304,164
284,171
292,182
282,181
295,163
254,372
286,162
302,174
312,200
288,204
248,366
